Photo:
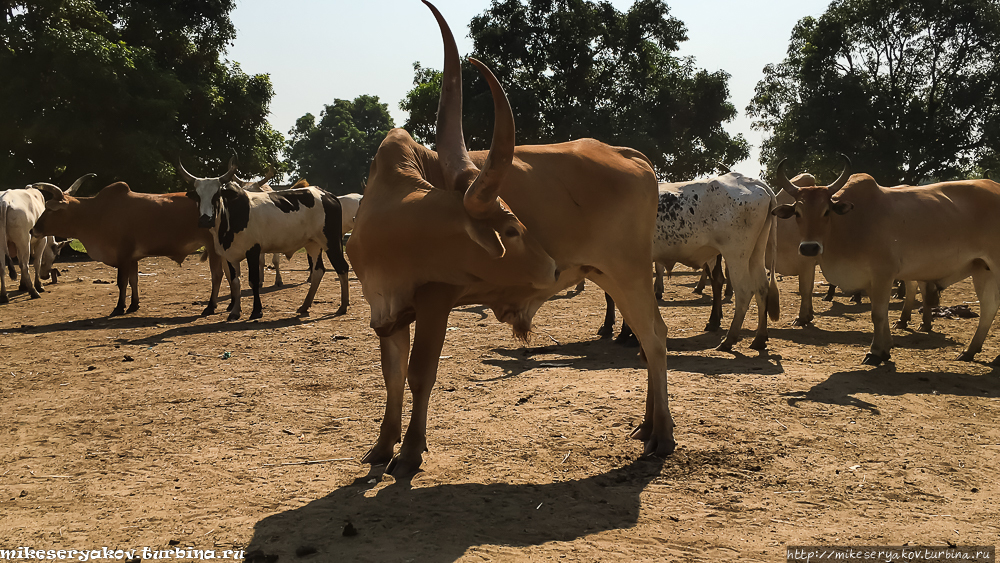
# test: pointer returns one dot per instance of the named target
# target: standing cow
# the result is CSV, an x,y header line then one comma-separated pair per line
x,y
506,228
120,227
865,236
244,225
729,215
19,211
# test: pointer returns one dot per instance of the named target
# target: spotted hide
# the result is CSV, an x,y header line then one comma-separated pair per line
x,y
247,224
729,215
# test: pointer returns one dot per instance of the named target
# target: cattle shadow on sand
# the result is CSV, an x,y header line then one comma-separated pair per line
x,y
121,322
908,339
841,387
229,326
438,524
584,355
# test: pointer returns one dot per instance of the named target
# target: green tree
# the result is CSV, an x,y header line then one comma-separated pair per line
x,y
335,153
122,88
580,68
907,89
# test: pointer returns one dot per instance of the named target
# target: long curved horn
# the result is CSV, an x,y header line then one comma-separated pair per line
x,y
457,167
188,177
51,189
781,180
845,174
225,178
267,178
481,197
725,169
79,182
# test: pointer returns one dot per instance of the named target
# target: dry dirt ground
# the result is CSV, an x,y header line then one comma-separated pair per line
x,y
163,429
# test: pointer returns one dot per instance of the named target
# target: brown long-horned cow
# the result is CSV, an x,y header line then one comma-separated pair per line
x,y
433,233
865,236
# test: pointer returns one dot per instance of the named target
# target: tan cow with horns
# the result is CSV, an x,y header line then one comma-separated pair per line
x,y
865,236
433,233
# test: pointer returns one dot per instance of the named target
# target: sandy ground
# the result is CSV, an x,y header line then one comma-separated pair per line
x,y
163,429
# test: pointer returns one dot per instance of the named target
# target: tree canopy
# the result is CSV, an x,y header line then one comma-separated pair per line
x,y
580,68
335,152
907,89
122,88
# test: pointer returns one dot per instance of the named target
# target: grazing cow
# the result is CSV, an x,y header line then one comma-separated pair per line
x,y
245,224
119,227
434,233
19,210
730,215
865,236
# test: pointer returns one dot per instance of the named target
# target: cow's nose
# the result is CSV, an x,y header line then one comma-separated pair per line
x,y
205,222
810,249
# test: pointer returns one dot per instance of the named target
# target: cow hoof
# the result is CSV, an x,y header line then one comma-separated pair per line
x,y
132,308
759,344
277,283
401,467
209,310
39,288
234,316
35,295
341,311
966,356
378,455
725,347
606,331
659,447
4,299
256,315
873,360
900,325
800,322
629,340
117,311
827,297
925,328
713,327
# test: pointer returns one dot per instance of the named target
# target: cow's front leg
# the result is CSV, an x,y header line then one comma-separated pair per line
x,y
235,308
988,292
394,348
133,280
433,303
122,283
882,339
909,300
607,329
253,271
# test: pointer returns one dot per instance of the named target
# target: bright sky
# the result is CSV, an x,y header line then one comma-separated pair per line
x,y
320,50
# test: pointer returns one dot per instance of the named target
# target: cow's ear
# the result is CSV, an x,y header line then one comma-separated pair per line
x,y
842,207
485,237
784,211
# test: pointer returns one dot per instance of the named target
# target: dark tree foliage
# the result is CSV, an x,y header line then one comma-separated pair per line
x,y
335,153
907,89
122,88
579,68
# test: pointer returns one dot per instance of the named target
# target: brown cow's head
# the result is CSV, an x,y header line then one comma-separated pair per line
x,y
206,192
812,207
435,217
57,207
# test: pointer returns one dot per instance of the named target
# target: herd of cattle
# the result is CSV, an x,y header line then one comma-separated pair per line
x,y
512,226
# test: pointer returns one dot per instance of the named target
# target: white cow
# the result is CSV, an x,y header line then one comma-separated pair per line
x,y
19,210
728,215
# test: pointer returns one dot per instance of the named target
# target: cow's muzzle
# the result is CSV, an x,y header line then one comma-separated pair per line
x,y
810,248
206,222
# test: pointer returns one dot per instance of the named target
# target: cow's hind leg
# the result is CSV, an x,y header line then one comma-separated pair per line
x,y
608,328
22,241
432,304
988,292
253,272
133,280
715,276
339,263
634,297
215,267
276,264
931,295
316,271
909,294
122,283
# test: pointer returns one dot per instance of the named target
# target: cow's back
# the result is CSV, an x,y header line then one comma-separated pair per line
x,y
142,225
582,199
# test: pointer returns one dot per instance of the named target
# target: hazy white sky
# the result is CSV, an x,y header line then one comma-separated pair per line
x,y
320,50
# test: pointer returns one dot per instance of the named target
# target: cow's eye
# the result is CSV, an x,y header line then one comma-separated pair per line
x,y
511,232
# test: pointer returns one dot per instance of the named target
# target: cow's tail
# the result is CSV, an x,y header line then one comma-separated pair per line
x,y
773,301
204,253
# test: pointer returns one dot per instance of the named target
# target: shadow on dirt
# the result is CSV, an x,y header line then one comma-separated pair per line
x,y
441,522
840,387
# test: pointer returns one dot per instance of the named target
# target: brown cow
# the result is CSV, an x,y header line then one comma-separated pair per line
x,y
865,236
433,233
119,227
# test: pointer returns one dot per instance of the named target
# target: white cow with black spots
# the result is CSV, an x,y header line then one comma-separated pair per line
x,y
728,215
245,224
